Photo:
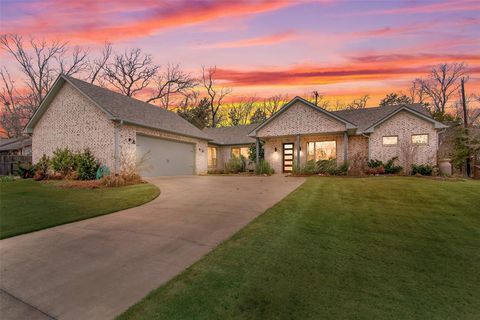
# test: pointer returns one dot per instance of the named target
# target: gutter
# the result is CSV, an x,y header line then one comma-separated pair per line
x,y
117,146
364,135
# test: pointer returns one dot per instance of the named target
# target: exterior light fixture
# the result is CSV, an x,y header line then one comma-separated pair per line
x,y
275,149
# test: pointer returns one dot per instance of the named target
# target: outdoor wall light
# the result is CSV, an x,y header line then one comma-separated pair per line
x,y
275,149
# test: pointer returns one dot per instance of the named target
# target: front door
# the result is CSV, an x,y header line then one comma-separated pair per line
x,y
287,157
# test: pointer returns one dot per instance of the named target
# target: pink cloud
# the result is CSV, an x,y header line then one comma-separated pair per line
x,y
257,41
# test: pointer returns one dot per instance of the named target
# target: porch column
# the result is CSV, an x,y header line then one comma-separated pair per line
x,y
257,151
298,151
345,147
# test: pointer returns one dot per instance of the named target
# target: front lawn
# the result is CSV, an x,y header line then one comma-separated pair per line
x,y
341,248
27,205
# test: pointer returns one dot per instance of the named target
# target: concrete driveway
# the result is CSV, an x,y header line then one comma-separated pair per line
x,y
97,268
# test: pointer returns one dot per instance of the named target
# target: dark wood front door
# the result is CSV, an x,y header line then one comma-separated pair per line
x,y
288,157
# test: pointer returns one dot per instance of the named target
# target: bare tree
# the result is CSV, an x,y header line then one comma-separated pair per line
x,y
239,112
215,94
97,67
171,83
16,108
273,104
359,103
442,83
131,71
416,92
42,64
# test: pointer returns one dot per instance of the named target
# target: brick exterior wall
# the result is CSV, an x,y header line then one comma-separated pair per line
x,y
300,119
224,153
404,125
128,148
276,158
73,121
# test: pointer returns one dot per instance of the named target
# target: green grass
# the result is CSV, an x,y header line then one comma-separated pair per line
x,y
27,205
341,248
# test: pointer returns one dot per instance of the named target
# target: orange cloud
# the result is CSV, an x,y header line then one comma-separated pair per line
x,y
258,41
361,68
92,20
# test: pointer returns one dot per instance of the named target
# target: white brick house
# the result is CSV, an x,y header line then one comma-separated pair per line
x,y
120,131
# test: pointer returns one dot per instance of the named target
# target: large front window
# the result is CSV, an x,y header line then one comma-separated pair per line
x,y
321,150
238,151
212,156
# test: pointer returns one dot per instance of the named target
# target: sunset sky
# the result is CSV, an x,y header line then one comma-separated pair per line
x,y
341,48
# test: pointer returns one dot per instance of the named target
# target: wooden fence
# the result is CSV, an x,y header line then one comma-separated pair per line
x,y
8,163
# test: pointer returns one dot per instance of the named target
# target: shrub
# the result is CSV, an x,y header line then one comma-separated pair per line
x,y
422,169
41,168
120,180
391,168
8,178
235,164
377,170
252,152
263,167
327,166
374,163
25,170
63,161
87,165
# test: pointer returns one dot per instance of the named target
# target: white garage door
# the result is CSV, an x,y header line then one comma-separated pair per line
x,y
163,157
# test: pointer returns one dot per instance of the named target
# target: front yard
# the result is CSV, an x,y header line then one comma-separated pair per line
x,y
336,248
27,205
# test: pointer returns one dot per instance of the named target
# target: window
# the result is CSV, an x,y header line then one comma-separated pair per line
x,y
390,140
419,138
212,156
237,151
322,150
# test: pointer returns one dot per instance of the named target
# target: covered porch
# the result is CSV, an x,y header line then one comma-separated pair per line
x,y
284,153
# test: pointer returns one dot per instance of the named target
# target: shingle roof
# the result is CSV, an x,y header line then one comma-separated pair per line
x,y
134,111
231,135
364,118
15,143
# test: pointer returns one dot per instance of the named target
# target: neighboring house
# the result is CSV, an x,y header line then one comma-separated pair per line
x,y
227,142
119,130
122,131
21,146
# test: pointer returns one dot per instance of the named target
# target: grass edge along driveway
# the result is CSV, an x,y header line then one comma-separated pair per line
x,y
340,248
28,205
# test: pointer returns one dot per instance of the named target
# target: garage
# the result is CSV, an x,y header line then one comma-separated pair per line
x,y
162,157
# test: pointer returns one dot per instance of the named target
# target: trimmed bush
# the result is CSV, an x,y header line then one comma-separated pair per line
x,y
263,167
235,164
422,169
391,168
25,170
86,165
374,163
63,161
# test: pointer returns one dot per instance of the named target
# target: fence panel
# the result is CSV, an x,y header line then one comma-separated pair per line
x,y
8,163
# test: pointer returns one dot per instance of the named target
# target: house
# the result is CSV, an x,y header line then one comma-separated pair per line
x,y
122,131
301,131
227,142
20,146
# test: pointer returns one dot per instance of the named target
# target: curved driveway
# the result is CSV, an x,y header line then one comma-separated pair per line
x,y
97,268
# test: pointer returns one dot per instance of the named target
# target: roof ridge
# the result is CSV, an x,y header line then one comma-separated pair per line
x,y
114,92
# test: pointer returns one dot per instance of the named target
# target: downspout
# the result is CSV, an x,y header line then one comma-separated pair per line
x,y
298,151
257,151
369,156
345,147
117,146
